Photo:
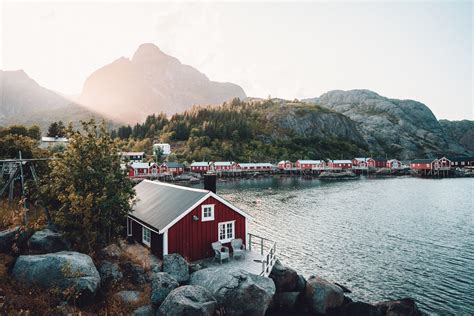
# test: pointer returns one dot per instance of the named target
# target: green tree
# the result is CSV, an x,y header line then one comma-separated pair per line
x,y
56,129
87,192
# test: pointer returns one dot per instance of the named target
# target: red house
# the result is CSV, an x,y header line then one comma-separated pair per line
x,y
200,167
172,167
142,169
310,164
257,166
220,166
363,162
285,165
380,162
340,164
422,164
169,219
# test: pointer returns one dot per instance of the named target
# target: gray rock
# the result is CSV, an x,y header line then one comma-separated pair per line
x,y
129,297
300,286
240,292
188,300
402,307
161,285
177,267
7,239
63,270
110,274
145,310
322,295
285,278
359,309
135,273
46,241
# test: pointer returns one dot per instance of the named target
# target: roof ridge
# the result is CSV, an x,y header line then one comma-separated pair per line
x,y
177,186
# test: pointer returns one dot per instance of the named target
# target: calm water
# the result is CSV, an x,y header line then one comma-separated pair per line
x,y
382,238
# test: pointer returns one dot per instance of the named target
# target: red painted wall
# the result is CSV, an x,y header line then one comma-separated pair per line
x,y
192,239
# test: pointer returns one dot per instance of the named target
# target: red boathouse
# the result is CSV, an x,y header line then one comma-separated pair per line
x,y
169,218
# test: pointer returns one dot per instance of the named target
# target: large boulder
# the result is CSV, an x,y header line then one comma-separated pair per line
x,y
238,291
402,307
285,300
161,285
110,274
46,241
128,297
7,239
188,300
63,270
177,267
322,295
286,279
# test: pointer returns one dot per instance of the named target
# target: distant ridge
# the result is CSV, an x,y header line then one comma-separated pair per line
x,y
398,128
151,82
24,101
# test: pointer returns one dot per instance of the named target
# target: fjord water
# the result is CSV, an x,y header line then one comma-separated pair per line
x,y
382,238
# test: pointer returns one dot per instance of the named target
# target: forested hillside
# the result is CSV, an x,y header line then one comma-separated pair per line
x,y
255,130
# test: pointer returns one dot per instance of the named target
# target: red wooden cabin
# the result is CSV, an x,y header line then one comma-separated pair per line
x,y
340,164
173,168
394,164
363,162
169,218
422,164
142,169
310,164
200,167
380,162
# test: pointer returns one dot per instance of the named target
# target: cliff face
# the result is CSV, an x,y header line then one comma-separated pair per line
x,y
399,128
151,82
24,101
460,131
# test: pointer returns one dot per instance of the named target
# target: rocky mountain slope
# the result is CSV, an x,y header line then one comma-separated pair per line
x,y
24,101
399,128
460,131
151,82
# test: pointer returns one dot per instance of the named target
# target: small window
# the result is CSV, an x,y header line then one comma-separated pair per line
x,y
146,236
129,227
226,232
207,212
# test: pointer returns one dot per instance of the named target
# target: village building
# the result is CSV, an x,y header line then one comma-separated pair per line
x,y
462,162
173,168
310,164
222,166
394,164
285,165
363,163
422,164
48,142
340,164
173,219
143,169
380,162
257,166
200,167
132,156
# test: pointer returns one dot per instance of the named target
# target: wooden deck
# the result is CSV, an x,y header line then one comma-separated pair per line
x,y
252,262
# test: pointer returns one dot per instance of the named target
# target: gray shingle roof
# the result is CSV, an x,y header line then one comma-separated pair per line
x,y
158,204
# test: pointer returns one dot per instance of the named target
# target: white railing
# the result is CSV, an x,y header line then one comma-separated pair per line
x,y
267,249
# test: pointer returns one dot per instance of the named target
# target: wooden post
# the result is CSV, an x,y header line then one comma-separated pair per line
x,y
261,246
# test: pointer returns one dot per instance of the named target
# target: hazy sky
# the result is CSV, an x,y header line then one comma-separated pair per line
x,y
407,50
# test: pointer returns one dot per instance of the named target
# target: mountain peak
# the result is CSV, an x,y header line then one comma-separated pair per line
x,y
149,52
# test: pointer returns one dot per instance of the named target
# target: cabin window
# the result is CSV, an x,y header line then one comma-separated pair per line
x,y
226,231
146,236
207,212
129,227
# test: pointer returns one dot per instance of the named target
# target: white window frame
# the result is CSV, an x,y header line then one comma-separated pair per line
x,y
146,242
207,218
227,238
129,226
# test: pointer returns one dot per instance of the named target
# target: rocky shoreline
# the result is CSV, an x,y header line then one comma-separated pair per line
x,y
127,274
